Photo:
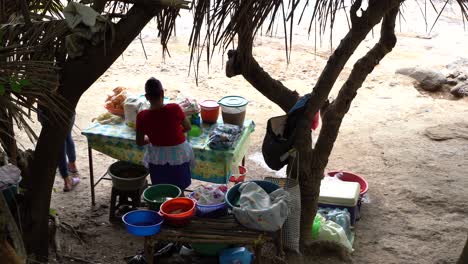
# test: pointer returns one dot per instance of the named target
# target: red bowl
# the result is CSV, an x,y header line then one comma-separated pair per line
x,y
178,211
351,177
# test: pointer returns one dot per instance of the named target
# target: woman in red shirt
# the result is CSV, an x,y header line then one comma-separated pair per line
x,y
161,128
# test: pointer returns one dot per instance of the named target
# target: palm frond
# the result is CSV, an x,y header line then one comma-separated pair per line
x,y
24,83
37,9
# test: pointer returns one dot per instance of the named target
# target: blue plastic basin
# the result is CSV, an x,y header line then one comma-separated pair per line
x,y
143,222
233,195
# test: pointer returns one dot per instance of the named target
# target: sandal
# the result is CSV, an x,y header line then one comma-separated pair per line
x,y
74,182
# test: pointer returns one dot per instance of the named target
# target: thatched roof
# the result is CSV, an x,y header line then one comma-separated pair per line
x,y
32,36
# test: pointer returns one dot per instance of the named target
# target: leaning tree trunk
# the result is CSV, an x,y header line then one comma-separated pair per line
x,y
312,172
310,164
464,255
76,76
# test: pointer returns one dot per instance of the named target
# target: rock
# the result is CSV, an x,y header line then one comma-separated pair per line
x,y
462,77
447,131
429,80
460,64
451,82
393,84
460,90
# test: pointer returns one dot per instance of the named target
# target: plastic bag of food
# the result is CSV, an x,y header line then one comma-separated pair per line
x,y
115,102
209,194
224,136
330,231
108,118
188,105
339,216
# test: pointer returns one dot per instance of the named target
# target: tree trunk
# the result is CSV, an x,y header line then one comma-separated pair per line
x,y
76,77
464,255
8,228
313,172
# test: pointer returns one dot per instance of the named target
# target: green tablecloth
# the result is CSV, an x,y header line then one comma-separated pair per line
x,y
118,141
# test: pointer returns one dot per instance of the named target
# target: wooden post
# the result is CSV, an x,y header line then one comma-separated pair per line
x,y
258,252
149,250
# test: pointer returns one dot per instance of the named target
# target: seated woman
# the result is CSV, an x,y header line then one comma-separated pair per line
x,y
161,128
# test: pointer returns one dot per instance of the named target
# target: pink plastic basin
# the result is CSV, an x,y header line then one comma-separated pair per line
x,y
351,177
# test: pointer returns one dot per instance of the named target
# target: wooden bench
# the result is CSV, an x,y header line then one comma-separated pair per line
x,y
224,230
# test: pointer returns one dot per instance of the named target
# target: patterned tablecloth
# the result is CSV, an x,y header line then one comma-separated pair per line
x,y
118,141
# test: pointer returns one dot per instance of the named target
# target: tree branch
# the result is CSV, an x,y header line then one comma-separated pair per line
x,y
95,62
242,61
273,89
361,27
362,68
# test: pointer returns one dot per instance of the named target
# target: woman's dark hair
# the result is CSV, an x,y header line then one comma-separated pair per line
x,y
154,88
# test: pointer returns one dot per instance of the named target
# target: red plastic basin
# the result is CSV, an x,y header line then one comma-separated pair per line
x,y
178,211
351,177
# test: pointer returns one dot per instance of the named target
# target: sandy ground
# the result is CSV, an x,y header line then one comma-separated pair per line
x,y
418,187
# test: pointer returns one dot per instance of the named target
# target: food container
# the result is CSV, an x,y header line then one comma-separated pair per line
x,y
233,109
127,176
159,193
143,222
209,111
178,211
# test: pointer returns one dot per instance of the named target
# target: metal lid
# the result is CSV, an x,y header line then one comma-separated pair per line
x,y
233,101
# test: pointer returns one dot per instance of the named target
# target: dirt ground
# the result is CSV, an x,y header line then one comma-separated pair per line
x,y
418,209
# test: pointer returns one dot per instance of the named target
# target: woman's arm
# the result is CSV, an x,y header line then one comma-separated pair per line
x,y
141,139
186,125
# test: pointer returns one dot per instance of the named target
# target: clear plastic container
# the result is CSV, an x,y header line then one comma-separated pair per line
x,y
233,109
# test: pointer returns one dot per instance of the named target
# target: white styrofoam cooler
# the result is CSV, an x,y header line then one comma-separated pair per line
x,y
340,194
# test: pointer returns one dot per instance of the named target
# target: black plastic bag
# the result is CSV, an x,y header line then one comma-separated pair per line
x,y
275,144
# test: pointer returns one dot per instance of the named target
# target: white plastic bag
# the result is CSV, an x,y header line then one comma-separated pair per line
x,y
332,231
188,105
262,211
131,107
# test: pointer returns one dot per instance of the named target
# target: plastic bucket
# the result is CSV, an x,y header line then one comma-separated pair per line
x,y
209,111
233,109
127,176
142,222
158,194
